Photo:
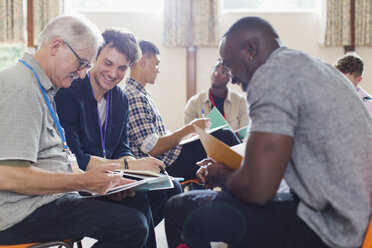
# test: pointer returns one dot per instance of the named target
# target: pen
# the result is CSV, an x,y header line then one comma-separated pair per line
x,y
114,172
203,113
162,170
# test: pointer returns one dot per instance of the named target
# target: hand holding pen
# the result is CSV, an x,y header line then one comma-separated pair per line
x,y
163,171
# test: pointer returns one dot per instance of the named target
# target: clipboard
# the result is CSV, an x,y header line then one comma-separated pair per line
x,y
219,151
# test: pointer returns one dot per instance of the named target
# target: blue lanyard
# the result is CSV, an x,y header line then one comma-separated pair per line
x,y
56,121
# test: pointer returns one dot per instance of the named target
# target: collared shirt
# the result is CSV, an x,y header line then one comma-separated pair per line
x,y
27,132
77,110
366,98
145,123
330,167
235,108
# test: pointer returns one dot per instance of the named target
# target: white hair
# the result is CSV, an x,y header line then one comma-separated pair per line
x,y
77,31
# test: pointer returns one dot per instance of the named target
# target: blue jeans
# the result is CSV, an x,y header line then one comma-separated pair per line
x,y
199,217
113,224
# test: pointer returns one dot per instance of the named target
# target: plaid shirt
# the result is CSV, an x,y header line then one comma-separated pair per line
x,y
145,123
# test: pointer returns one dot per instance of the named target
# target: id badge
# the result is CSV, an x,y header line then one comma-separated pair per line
x,y
71,158
73,162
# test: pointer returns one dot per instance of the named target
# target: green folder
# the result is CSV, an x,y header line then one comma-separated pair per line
x,y
242,132
217,119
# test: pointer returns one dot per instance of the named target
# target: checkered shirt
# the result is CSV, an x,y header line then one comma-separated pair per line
x,y
145,123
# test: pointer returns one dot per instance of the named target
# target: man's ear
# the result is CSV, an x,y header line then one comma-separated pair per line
x,y
55,46
143,60
359,79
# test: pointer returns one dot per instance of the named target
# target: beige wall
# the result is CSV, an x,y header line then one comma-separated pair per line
x,y
297,30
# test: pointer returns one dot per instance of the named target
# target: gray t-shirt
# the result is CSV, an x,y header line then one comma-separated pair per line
x,y
27,132
331,162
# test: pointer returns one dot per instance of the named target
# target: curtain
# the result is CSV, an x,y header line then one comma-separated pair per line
x,y
11,21
191,23
44,11
338,23
363,23
338,29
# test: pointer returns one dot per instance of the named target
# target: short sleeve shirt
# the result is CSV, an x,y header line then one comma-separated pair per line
x,y
330,168
27,132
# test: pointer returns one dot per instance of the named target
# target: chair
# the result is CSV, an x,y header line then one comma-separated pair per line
x,y
65,243
367,243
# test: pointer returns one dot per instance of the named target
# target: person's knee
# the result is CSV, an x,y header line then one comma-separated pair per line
x,y
180,204
172,205
133,226
177,189
227,136
142,229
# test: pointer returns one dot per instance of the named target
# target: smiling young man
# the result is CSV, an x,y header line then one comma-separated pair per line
x,y
94,110
94,114
320,144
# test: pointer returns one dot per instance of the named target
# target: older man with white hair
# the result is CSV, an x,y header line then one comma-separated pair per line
x,y
38,199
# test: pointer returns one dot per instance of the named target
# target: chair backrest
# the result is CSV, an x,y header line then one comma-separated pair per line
x,y
367,243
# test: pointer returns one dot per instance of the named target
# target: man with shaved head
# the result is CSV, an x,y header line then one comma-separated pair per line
x,y
308,126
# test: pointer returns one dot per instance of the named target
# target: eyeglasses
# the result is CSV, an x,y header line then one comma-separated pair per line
x,y
82,63
224,70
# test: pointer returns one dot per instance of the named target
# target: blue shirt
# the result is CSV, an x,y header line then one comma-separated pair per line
x,y
77,111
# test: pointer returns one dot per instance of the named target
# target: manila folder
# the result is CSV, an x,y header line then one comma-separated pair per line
x,y
219,151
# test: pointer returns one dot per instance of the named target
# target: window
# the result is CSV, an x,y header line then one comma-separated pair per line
x,y
113,5
9,55
157,5
273,5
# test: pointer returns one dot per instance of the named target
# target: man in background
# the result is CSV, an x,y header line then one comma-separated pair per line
x,y
147,134
352,66
319,143
230,104
38,198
